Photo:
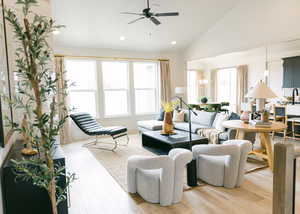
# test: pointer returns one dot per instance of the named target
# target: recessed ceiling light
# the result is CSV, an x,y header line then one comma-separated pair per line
x,y
56,32
173,43
122,38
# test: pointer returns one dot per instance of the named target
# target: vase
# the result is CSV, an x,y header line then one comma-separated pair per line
x,y
168,123
245,117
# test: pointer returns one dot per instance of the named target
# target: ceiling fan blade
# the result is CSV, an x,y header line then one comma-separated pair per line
x,y
167,14
127,13
155,21
136,20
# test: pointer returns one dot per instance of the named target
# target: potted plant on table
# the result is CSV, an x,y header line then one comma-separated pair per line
x,y
203,100
37,94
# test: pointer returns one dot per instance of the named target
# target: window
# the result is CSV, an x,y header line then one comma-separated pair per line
x,y
227,86
83,93
192,89
115,87
109,88
146,87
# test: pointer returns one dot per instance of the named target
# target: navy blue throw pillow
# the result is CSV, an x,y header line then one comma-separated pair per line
x,y
161,115
234,116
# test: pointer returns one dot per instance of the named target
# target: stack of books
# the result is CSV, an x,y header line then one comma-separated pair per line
x,y
259,123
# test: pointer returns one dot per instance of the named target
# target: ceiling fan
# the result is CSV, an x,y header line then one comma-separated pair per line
x,y
147,13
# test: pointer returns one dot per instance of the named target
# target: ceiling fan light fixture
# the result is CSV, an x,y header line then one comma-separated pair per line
x,y
173,43
122,38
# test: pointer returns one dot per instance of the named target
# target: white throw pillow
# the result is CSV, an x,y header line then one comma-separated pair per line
x,y
220,118
178,116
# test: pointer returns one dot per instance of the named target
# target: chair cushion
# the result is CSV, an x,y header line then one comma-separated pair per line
x,y
185,126
86,123
147,184
211,169
114,130
203,118
91,127
223,136
151,124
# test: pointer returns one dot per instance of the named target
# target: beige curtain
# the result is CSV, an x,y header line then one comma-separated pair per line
x,y
201,88
214,85
165,81
242,86
62,99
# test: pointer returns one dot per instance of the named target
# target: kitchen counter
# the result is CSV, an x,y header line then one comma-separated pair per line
x,y
293,109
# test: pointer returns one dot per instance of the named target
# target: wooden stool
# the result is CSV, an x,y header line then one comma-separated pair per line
x,y
280,116
295,122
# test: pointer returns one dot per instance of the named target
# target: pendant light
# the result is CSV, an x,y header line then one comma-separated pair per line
x,y
267,71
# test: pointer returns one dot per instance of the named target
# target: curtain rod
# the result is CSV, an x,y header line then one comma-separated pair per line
x,y
103,57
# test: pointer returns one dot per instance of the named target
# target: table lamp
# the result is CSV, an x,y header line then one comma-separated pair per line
x,y
261,92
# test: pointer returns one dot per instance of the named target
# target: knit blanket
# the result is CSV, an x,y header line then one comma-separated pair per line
x,y
211,134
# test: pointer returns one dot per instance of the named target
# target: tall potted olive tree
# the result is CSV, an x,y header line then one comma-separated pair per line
x,y
37,98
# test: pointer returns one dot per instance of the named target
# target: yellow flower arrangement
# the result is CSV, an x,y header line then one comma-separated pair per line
x,y
169,106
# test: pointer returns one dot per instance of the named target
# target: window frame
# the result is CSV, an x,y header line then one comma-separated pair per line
x,y
99,91
156,89
100,71
232,86
95,90
190,84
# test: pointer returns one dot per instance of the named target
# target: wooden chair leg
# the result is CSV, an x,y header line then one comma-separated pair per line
x,y
284,135
293,129
273,134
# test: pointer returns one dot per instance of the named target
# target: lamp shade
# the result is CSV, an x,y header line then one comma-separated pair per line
x,y
261,91
179,90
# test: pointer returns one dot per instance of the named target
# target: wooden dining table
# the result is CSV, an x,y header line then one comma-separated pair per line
x,y
266,150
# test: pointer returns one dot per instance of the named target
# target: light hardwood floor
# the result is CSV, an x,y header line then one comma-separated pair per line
x,y
97,192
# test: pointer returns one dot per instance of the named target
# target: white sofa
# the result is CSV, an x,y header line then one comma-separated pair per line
x,y
158,179
201,121
222,165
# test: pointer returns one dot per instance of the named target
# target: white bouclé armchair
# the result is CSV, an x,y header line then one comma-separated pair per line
x,y
222,165
158,179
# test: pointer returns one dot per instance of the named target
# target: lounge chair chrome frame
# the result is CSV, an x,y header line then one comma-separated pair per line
x,y
91,127
115,142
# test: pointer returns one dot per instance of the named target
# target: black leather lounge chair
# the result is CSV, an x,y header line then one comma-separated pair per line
x,y
92,128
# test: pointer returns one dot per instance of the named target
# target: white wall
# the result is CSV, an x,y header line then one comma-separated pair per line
x,y
248,25
177,79
45,9
241,36
255,59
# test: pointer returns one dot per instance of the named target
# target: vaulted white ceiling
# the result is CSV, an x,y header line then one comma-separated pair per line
x,y
99,24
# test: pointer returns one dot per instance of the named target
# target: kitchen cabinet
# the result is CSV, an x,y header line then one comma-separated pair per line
x,y
291,72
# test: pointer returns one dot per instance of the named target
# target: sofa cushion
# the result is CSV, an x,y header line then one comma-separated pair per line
x,y
218,122
234,116
161,115
185,126
178,116
203,118
151,124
